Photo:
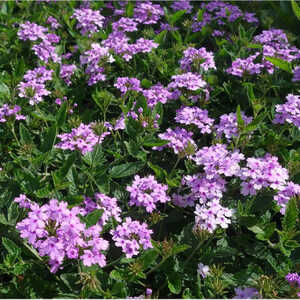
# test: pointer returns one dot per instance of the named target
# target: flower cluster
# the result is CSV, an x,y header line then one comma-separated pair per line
x,y
125,25
180,141
107,204
241,67
34,86
7,112
147,192
211,215
203,188
187,81
275,44
246,293
197,59
45,49
56,231
95,59
53,23
289,111
216,159
261,173
182,5
82,138
220,12
147,13
229,126
89,21
66,71
131,236
294,280
157,93
296,74
125,84
194,115
284,195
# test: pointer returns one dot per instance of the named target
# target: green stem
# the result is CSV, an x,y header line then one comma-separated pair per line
x,y
12,127
157,266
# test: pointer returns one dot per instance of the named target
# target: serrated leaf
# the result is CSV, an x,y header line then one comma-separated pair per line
x,y
174,283
49,139
92,218
126,169
160,37
280,63
239,118
151,141
290,217
255,123
179,248
10,246
42,116
175,17
296,9
25,135
61,115
148,258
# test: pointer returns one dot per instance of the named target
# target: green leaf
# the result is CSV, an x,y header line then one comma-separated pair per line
x,y
280,63
291,215
240,120
151,141
10,246
179,248
160,37
255,46
174,283
92,218
148,258
200,15
255,123
159,172
42,116
4,91
129,9
126,169
175,17
61,115
49,139
63,171
96,156
296,9
25,135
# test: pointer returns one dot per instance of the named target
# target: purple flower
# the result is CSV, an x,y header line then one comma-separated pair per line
x,y
155,94
147,13
180,141
261,173
31,31
7,112
197,59
241,67
125,84
187,81
229,126
89,21
66,71
296,74
182,5
203,270
82,138
194,115
245,293
147,192
211,215
53,22
125,24
217,159
131,236
96,59
288,112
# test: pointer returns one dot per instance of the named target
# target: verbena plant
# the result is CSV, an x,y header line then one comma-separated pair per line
x,y
149,150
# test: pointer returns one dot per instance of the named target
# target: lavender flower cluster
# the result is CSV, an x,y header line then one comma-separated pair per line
x,y
57,232
289,112
82,138
294,280
34,86
131,236
7,112
147,192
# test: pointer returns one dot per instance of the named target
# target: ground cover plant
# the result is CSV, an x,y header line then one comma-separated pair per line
x,y
149,149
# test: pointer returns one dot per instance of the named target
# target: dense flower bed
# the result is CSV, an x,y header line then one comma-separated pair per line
x,y
149,149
